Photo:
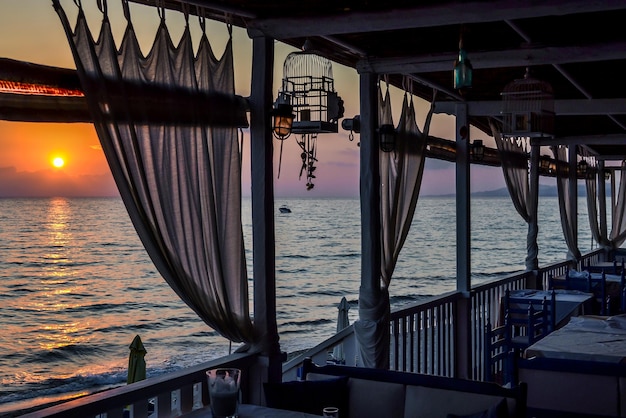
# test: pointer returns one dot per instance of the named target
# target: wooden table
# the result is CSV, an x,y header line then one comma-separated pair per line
x,y
253,411
579,368
587,338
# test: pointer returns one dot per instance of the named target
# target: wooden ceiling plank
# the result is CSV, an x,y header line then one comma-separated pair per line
x,y
420,17
549,55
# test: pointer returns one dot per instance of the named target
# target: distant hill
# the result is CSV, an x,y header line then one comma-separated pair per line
x,y
544,191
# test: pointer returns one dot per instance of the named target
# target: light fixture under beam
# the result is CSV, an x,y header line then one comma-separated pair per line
x,y
478,150
387,137
282,120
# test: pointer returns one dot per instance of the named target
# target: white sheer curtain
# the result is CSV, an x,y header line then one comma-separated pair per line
x,y
177,171
591,187
592,209
567,218
401,172
401,175
618,229
515,170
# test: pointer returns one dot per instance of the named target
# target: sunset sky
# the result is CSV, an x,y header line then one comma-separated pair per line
x,y
30,30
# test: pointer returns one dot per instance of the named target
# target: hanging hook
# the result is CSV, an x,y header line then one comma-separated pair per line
x,y
126,10
201,18
160,6
185,9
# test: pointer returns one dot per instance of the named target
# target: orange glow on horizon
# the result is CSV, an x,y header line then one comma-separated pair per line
x,y
17,87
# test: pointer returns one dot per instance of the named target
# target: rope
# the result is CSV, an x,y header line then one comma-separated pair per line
x,y
280,156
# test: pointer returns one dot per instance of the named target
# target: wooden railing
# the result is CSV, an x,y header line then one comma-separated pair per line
x,y
322,353
170,395
423,336
485,305
423,340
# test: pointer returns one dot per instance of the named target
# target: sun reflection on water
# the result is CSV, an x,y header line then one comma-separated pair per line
x,y
59,290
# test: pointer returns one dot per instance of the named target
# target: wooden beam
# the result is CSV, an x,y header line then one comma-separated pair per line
x,y
35,108
522,57
574,107
446,13
613,139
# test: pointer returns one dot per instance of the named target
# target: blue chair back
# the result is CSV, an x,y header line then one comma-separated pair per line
x,y
528,320
498,356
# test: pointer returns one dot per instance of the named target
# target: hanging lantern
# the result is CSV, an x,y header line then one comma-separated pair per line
x,y
527,108
282,120
478,150
387,137
544,164
581,169
462,70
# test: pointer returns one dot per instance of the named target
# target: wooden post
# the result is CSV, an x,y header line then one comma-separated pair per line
x,y
573,197
463,244
532,263
370,292
263,241
602,201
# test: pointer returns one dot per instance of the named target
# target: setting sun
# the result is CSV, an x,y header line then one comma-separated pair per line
x,y
58,162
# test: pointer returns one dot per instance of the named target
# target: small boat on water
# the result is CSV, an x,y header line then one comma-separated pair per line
x,y
284,209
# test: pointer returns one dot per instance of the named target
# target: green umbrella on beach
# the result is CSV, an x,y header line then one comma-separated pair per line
x,y
136,361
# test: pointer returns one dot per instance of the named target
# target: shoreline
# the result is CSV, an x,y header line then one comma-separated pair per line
x,y
35,404
26,406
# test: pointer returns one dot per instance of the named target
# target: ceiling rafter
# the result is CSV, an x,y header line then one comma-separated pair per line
x,y
573,107
547,55
430,16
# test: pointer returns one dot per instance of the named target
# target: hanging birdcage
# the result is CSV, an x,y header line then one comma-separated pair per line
x,y
308,86
527,108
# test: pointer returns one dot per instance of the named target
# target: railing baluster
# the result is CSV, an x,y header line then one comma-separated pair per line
x,y
412,343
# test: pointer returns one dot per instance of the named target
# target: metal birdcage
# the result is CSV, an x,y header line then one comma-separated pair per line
x,y
527,108
308,86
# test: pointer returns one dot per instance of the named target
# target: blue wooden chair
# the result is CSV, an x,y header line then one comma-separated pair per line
x,y
528,320
498,358
578,280
598,288
616,269
584,282
622,292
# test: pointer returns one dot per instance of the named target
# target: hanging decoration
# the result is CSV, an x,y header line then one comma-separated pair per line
x,y
463,70
528,108
309,88
308,143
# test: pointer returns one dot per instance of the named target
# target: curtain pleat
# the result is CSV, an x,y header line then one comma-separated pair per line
x,y
567,218
591,186
618,229
401,172
515,170
179,175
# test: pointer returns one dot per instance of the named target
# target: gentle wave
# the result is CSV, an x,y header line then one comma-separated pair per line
x,y
76,285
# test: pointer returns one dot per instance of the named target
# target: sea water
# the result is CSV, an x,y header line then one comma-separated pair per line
x,y
76,285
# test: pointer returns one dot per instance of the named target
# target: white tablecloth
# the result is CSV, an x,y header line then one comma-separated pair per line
x,y
253,411
598,339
